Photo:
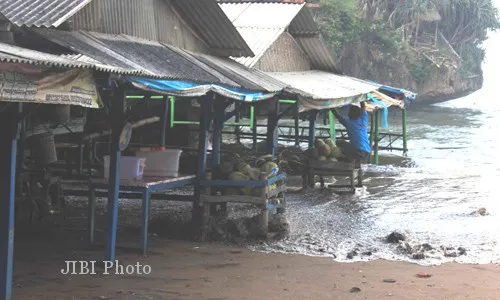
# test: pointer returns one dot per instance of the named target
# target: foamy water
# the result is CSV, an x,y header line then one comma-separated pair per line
x,y
455,159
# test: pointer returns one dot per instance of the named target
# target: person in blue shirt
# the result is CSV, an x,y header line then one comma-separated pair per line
x,y
358,148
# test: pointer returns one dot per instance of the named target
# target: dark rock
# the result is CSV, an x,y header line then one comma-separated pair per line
x,y
389,280
451,254
351,254
418,256
405,248
355,289
427,247
395,237
367,253
461,251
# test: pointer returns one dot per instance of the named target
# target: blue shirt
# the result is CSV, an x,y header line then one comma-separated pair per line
x,y
358,132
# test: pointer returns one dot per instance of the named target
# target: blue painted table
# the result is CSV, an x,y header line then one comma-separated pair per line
x,y
146,186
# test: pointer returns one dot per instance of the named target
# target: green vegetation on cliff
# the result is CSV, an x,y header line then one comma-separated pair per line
x,y
417,35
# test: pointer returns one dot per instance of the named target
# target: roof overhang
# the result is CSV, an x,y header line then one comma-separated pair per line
x,y
319,90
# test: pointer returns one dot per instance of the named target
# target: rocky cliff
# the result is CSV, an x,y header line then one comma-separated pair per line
x,y
432,83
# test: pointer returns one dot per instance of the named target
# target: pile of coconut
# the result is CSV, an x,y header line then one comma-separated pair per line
x,y
326,150
234,168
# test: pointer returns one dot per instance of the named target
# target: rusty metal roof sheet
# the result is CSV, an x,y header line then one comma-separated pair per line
x,y
214,26
249,78
151,58
15,54
47,13
260,24
159,60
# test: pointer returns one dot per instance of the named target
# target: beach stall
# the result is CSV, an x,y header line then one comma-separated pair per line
x,y
319,92
233,178
219,83
31,80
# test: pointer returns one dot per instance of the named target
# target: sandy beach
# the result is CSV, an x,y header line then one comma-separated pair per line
x,y
189,270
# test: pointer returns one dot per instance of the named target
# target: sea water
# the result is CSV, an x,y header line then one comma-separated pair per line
x,y
454,171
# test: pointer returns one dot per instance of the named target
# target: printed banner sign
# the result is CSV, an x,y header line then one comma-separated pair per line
x,y
36,85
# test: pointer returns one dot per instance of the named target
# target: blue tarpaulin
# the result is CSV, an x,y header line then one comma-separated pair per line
x,y
410,96
190,89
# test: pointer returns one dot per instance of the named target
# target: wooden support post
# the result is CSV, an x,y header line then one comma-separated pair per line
x,y
272,128
264,212
253,116
296,124
219,109
375,138
237,106
163,121
145,221
8,137
405,131
207,209
205,119
312,127
117,115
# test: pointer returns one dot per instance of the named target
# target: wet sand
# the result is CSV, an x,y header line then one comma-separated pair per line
x,y
189,270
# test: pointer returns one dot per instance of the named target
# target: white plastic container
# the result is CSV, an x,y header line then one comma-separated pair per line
x,y
161,162
131,167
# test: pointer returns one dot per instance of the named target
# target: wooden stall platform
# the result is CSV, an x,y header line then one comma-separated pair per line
x,y
146,187
269,196
350,170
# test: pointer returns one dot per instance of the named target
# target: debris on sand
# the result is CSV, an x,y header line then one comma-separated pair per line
x,y
355,289
424,275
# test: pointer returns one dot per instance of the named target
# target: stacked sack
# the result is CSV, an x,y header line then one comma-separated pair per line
x,y
236,169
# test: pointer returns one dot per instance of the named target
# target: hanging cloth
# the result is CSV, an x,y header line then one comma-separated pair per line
x,y
385,111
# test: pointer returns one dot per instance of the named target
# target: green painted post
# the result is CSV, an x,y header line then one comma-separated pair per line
x,y
371,130
405,136
252,112
375,154
172,112
333,134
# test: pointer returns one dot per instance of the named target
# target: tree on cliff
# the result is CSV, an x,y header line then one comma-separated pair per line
x,y
394,26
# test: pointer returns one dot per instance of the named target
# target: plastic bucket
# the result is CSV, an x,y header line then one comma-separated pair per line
x,y
161,162
131,167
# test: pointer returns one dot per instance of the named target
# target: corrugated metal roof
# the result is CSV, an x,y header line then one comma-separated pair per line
x,y
15,54
216,29
260,24
321,90
262,1
152,58
318,52
40,13
303,23
259,39
250,78
160,60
